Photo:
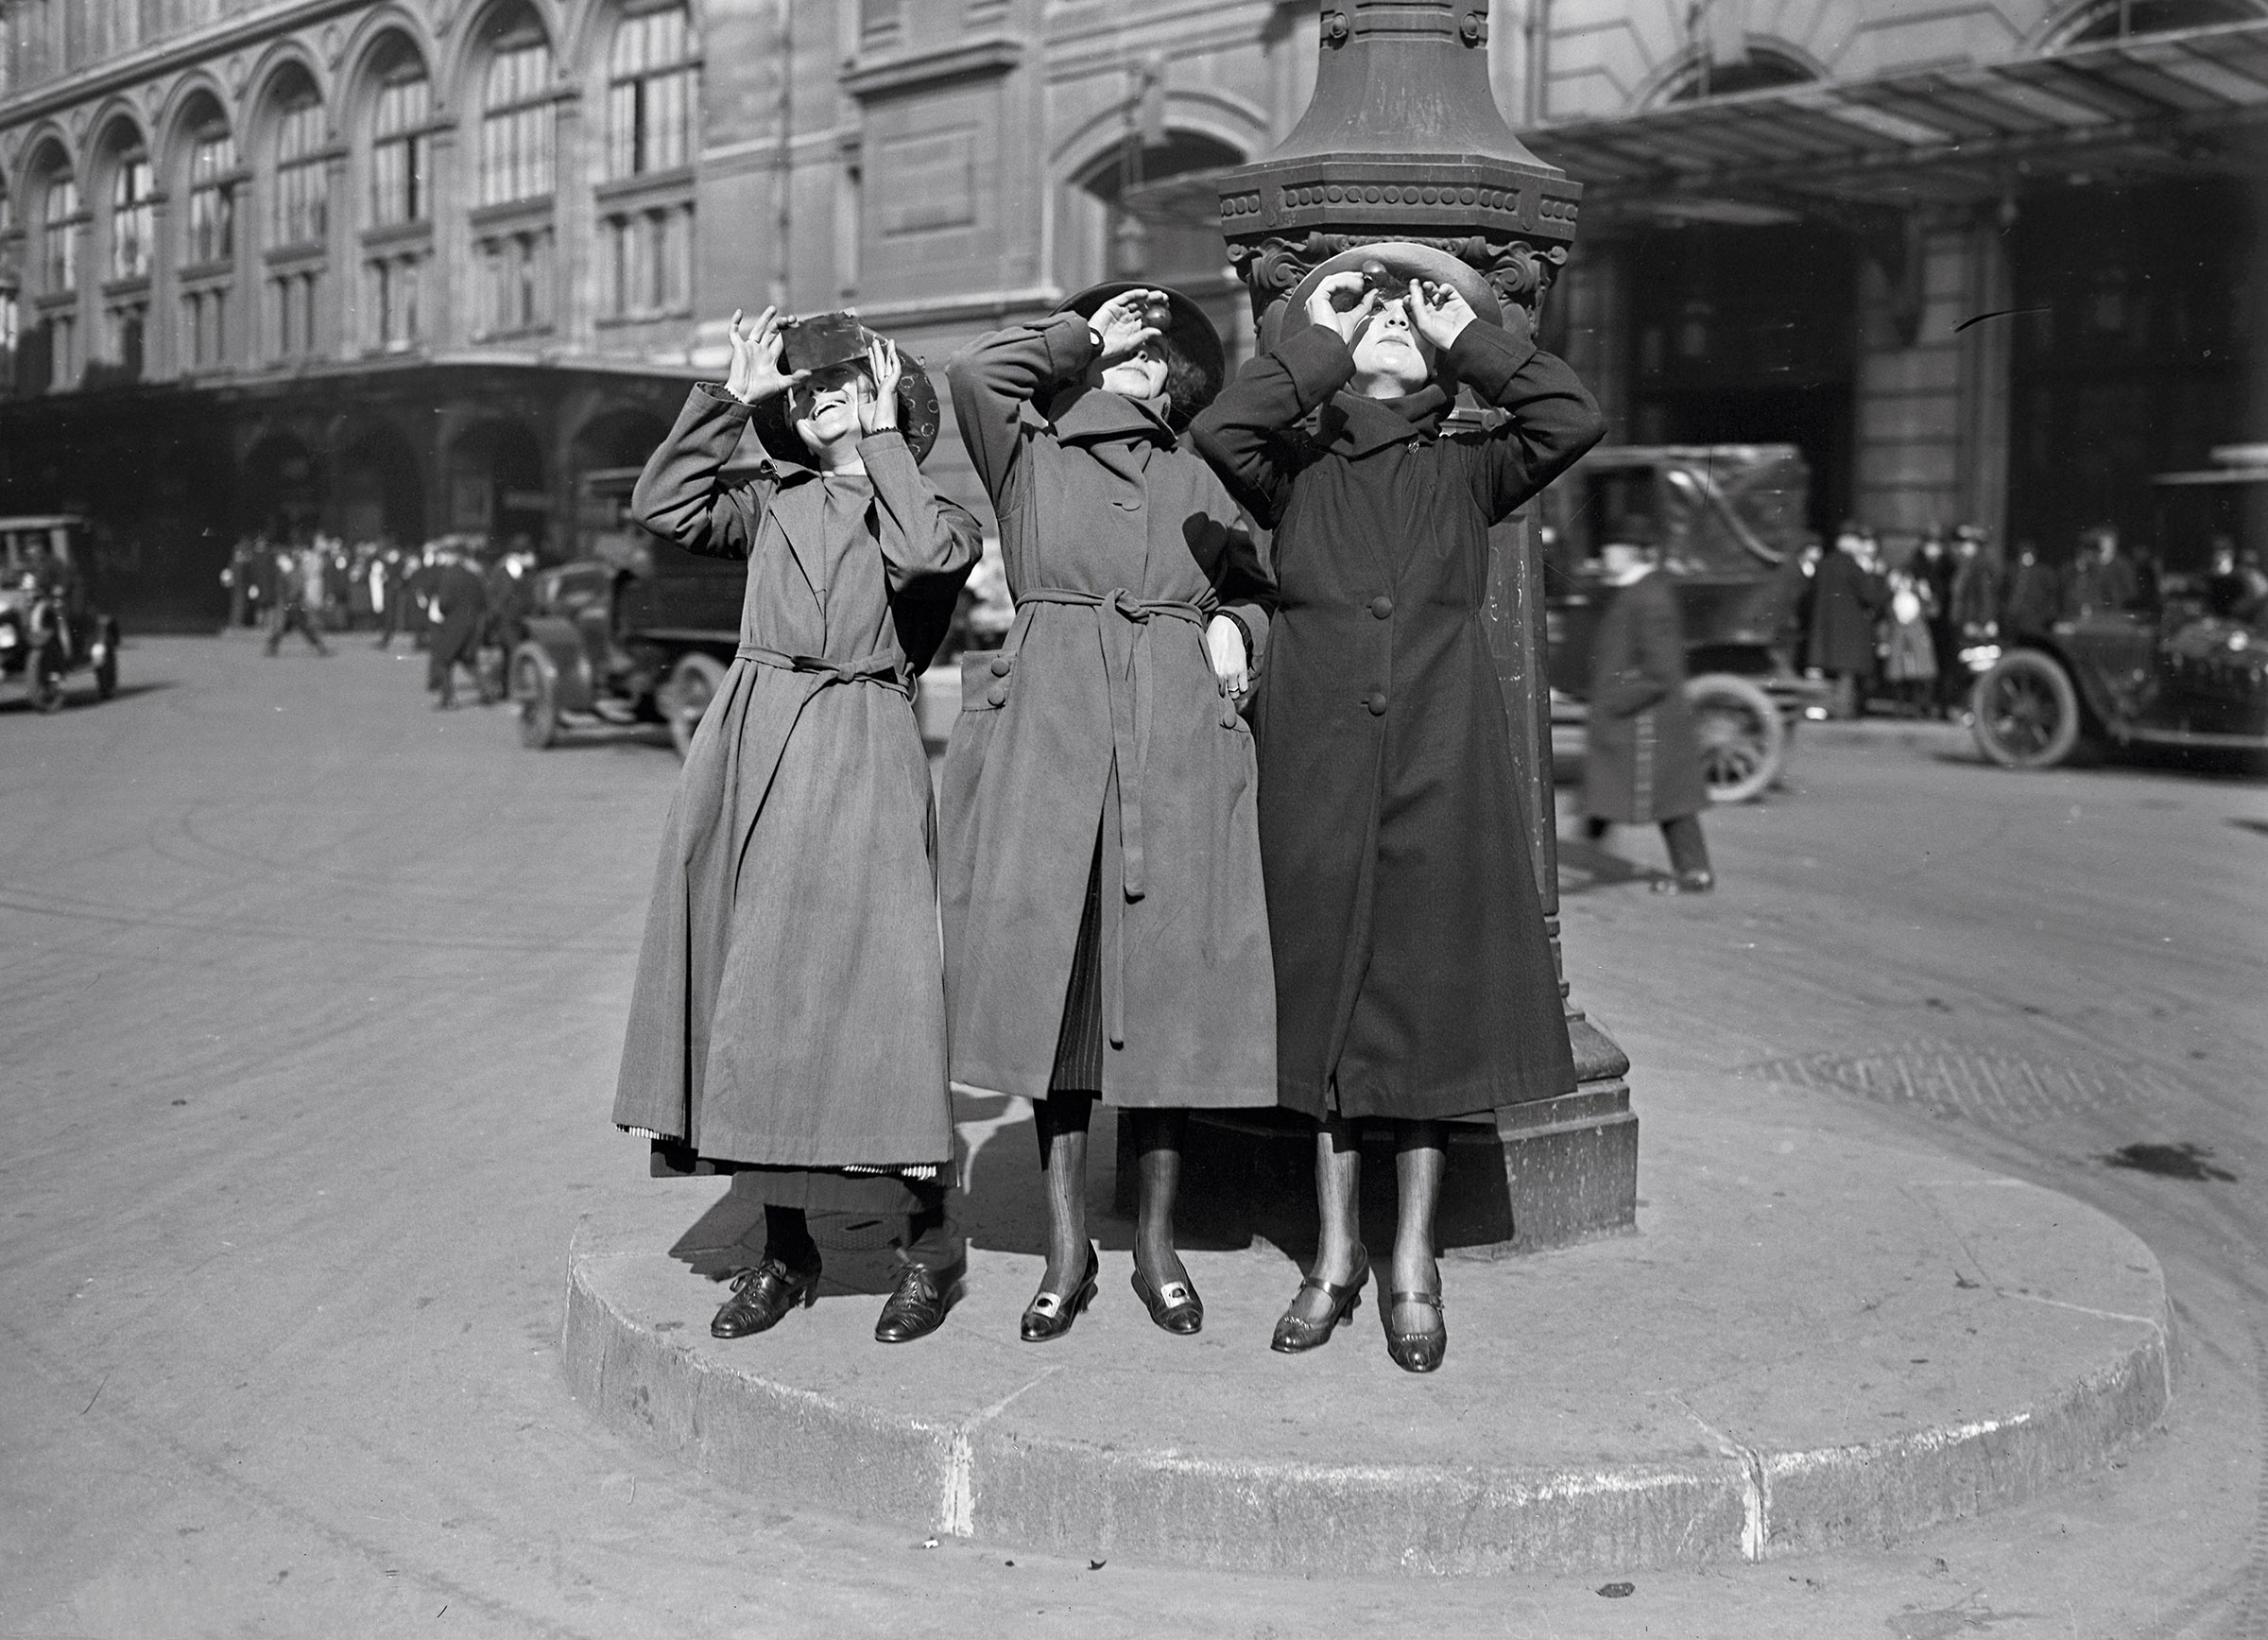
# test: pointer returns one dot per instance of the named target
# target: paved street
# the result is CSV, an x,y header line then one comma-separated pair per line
x,y
313,996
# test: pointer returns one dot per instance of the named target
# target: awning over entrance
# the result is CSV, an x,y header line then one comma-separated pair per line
x,y
2189,103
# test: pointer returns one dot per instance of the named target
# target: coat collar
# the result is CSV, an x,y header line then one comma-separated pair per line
x,y
1083,415
1353,426
798,505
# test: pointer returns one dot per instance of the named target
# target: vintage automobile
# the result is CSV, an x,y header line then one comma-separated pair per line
x,y
2187,674
1729,520
48,629
634,630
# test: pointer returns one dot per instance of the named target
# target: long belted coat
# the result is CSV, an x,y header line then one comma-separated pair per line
x,y
1845,603
1101,716
790,1002
1414,977
1639,763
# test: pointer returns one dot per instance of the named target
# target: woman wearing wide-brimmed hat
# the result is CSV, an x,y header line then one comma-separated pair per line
x,y
788,1019
1414,979
1106,932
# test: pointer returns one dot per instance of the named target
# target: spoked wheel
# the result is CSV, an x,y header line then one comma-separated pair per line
x,y
2025,712
1741,737
692,684
538,699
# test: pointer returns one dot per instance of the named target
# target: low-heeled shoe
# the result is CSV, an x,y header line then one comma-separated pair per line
x,y
762,1296
1174,1307
1414,1351
1050,1315
916,1306
1295,1333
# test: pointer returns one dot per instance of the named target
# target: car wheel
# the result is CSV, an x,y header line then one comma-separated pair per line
x,y
2025,713
538,699
692,684
1740,734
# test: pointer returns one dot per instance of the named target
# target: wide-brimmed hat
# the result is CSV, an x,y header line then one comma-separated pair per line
x,y
1403,262
1188,331
837,339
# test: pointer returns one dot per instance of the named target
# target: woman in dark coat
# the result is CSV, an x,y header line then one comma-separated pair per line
x,y
1641,766
1845,603
788,1019
1413,981
1106,933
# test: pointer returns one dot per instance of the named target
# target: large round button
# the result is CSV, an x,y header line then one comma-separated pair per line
x,y
1377,704
1381,605
1001,666
1227,713
998,695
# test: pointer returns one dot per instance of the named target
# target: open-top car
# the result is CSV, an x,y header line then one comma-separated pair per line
x,y
48,629
2190,673
1728,519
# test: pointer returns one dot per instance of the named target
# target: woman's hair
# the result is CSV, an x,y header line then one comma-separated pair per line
x,y
1187,385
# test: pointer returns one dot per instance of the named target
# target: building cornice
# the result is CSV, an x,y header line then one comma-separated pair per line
x,y
180,51
969,60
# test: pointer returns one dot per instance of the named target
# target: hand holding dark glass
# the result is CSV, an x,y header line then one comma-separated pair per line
x,y
755,374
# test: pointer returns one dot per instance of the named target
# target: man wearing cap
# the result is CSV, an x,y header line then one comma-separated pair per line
x,y
1415,981
1106,930
1641,766
787,1025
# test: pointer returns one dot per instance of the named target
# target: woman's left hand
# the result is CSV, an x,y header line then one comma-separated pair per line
x,y
1439,312
1225,648
880,412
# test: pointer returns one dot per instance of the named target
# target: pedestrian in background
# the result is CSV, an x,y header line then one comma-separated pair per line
x,y
787,1023
2103,580
456,611
1846,600
299,597
1910,657
1790,645
2034,594
1414,977
1641,765
1106,919
1940,564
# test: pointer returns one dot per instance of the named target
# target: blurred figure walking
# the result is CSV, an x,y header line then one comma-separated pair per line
x,y
1846,602
457,612
1642,766
299,597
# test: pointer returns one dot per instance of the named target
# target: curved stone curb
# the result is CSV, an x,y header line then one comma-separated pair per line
x,y
989,1472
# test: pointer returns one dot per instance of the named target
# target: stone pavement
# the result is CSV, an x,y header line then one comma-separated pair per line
x,y
1814,1341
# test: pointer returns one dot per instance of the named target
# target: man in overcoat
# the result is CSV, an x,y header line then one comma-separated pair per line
x,y
1641,766
459,608
1846,602
1414,977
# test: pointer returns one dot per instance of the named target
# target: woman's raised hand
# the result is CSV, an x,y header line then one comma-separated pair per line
x,y
1438,312
880,410
1120,324
755,374
1362,300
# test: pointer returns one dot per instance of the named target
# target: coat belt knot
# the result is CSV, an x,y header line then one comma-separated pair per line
x,y
883,666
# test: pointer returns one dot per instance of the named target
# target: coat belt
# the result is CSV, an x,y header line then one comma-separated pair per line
x,y
883,666
1123,622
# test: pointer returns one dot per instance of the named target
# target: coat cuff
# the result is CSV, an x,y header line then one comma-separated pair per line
x,y
1070,347
1317,362
1488,359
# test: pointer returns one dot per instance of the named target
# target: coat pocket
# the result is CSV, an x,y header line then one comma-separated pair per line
x,y
985,675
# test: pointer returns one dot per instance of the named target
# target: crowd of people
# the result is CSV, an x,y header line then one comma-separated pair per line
x,y
1900,631
459,597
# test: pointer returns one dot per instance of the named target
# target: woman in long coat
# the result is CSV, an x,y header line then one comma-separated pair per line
x,y
1106,930
1641,766
788,1019
1413,981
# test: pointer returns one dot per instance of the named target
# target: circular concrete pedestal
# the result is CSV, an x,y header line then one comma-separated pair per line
x,y
1813,1341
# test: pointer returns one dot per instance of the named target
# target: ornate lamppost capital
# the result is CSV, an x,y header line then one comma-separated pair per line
x,y
1402,140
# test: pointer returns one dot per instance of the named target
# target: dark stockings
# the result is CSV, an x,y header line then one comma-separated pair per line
x,y
1061,1121
1418,1159
787,1236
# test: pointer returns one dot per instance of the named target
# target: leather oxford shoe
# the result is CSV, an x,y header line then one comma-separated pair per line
x,y
760,1297
915,1307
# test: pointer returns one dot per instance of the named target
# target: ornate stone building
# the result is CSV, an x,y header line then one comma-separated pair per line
x,y
409,266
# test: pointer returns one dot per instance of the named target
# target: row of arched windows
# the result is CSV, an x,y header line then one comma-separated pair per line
x,y
244,220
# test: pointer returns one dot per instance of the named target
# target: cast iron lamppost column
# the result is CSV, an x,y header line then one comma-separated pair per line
x,y
1402,140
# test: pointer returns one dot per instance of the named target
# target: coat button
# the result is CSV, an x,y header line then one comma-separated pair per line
x,y
998,694
1001,666
1377,704
1227,713
1381,605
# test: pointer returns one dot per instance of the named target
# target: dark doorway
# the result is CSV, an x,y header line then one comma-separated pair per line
x,y
2130,356
1748,335
496,485
380,493
282,489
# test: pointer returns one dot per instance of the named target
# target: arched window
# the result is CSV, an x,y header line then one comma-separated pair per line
x,y
303,190
2120,19
1760,70
517,124
400,149
212,196
652,93
132,216
58,234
